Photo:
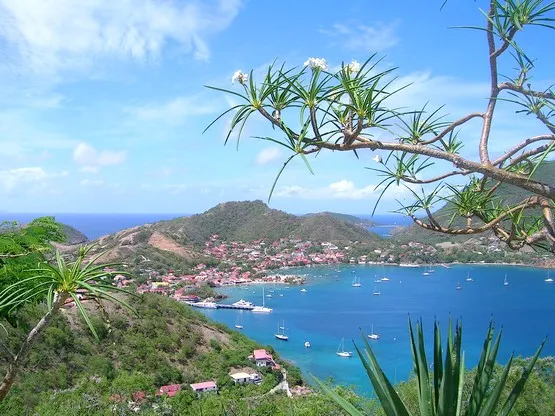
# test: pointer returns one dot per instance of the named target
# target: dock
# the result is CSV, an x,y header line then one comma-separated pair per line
x,y
245,308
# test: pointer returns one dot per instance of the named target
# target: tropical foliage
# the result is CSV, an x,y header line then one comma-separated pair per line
x,y
55,284
313,109
442,391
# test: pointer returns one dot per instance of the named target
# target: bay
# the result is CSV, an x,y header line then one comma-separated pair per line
x,y
331,309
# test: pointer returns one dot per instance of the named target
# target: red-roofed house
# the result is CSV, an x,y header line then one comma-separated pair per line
x,y
171,390
262,358
204,387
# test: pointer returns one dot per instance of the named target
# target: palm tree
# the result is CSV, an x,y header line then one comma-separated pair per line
x,y
56,284
440,393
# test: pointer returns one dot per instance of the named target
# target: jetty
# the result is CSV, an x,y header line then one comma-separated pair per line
x,y
242,307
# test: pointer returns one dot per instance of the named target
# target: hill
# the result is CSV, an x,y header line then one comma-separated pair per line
x,y
74,236
362,222
165,343
507,194
181,240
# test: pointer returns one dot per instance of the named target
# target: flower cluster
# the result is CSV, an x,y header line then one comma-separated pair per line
x,y
317,63
240,77
353,67
377,159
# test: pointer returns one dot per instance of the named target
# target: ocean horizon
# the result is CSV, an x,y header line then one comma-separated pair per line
x,y
94,226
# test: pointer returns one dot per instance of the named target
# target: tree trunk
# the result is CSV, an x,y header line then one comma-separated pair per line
x,y
15,365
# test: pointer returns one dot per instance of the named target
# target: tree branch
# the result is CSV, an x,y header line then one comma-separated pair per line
x,y
490,171
408,179
434,226
516,88
520,146
8,352
452,127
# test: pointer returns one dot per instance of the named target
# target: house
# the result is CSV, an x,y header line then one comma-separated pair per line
x,y
262,358
171,390
244,378
204,387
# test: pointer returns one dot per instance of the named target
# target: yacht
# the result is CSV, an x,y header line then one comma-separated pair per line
x,y
356,282
243,304
281,333
263,308
372,335
469,279
205,305
341,350
549,279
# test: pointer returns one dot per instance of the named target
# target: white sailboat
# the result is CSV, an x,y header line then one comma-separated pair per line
x,y
263,308
505,282
549,279
372,335
341,350
459,286
238,324
468,278
281,333
307,344
376,292
356,282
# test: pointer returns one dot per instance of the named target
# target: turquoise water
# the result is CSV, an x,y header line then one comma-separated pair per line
x,y
331,309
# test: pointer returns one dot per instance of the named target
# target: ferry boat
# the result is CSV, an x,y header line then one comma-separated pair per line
x,y
243,304
204,304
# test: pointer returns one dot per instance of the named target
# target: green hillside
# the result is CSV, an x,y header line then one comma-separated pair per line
x,y
165,343
252,220
507,194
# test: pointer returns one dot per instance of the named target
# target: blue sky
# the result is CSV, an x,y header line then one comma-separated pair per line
x,y
103,104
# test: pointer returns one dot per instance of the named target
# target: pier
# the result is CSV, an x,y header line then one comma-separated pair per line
x,y
242,307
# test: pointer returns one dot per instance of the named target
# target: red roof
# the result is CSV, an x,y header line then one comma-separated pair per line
x,y
262,354
203,385
171,389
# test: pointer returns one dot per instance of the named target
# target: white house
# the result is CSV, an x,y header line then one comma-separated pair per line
x,y
262,358
204,387
245,378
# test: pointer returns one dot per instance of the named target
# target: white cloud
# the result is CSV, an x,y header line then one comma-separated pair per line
x,y
92,159
363,38
175,111
10,179
268,155
47,36
341,190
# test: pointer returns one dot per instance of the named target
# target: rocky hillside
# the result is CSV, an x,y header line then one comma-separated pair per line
x,y
180,239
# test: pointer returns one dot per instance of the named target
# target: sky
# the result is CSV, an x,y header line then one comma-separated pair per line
x,y
103,103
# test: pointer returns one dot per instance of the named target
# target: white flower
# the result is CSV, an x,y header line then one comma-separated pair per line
x,y
317,63
240,77
353,67
377,159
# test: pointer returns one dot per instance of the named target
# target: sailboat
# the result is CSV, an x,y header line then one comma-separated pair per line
x,y
505,282
459,286
237,324
428,270
468,278
549,279
263,308
372,335
281,333
356,282
341,350
376,292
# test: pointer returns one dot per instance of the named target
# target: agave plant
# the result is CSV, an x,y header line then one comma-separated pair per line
x,y
56,284
441,392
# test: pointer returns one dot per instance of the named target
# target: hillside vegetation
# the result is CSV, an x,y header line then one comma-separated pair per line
x,y
165,343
